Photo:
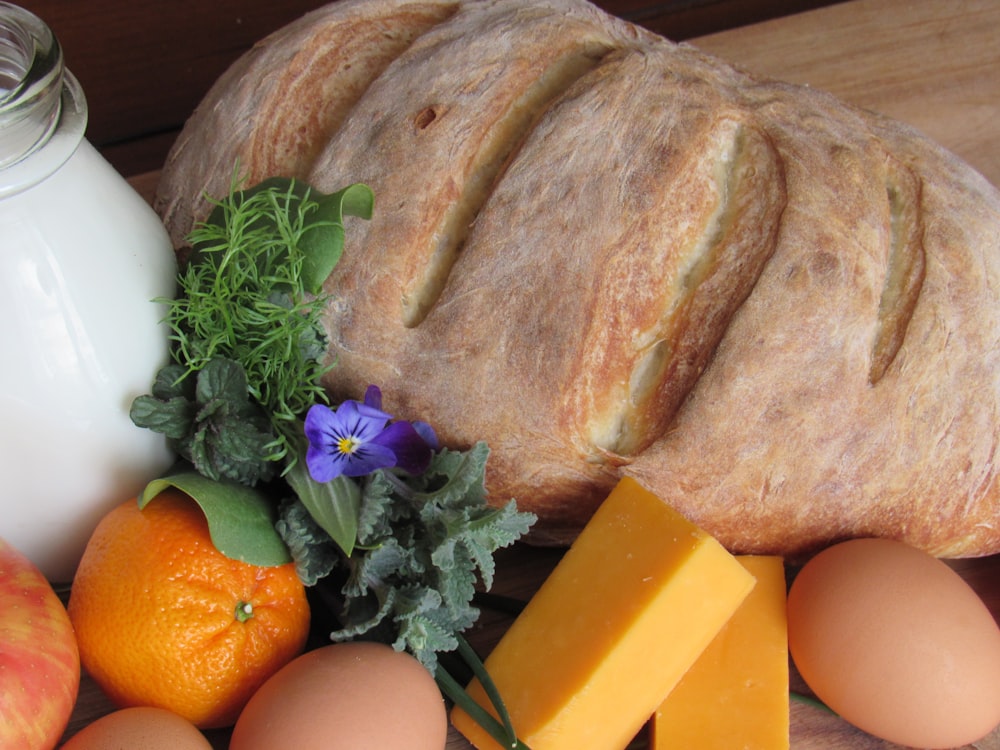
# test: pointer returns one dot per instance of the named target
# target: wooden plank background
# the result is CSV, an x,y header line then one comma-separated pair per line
x,y
933,65
145,64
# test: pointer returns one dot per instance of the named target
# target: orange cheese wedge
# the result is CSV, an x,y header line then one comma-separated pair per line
x,y
735,696
628,610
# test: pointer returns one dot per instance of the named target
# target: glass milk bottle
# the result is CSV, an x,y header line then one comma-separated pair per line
x,y
82,256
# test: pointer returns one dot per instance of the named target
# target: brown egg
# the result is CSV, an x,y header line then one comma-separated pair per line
x,y
139,728
897,643
345,696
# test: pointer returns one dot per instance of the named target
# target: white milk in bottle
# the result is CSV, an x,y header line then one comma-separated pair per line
x,y
82,257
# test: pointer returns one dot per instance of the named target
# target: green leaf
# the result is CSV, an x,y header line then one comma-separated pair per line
x,y
314,552
227,437
322,238
421,542
471,658
378,567
376,514
322,242
171,417
240,519
450,687
357,200
423,626
171,382
333,505
371,616
462,472
222,379
250,292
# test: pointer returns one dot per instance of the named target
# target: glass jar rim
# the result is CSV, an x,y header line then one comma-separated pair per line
x,y
43,111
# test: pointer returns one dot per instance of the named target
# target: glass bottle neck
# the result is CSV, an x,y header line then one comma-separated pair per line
x,y
42,109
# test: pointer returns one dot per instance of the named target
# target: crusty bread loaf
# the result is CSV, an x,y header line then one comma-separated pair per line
x,y
607,254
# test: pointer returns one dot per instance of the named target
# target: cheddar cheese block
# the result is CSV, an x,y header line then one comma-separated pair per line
x,y
629,608
735,697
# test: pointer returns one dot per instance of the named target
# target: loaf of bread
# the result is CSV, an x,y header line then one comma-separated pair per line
x,y
604,253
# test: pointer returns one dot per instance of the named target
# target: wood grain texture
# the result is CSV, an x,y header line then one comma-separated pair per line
x,y
145,64
932,64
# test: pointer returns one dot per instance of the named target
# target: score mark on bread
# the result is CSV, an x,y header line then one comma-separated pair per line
x,y
905,273
670,290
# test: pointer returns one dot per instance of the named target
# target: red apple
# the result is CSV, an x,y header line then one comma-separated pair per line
x,y
39,660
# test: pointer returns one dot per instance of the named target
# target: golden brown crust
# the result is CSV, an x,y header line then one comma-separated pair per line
x,y
786,444
607,254
321,63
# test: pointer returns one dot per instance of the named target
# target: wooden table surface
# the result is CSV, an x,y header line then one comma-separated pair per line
x,y
933,64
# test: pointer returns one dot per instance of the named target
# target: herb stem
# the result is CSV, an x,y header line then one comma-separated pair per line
x,y
450,687
810,701
470,657
399,486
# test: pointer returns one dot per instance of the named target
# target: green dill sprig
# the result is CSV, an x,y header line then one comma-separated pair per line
x,y
250,297
243,299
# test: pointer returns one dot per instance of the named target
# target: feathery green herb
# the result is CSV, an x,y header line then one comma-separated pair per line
x,y
250,299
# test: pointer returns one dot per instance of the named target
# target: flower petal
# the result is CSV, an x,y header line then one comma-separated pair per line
x,y
323,465
320,421
373,397
369,457
360,422
412,452
339,440
427,433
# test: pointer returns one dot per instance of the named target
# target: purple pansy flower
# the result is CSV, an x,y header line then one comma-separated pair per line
x,y
358,438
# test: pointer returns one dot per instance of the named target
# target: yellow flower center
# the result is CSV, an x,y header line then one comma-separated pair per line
x,y
347,445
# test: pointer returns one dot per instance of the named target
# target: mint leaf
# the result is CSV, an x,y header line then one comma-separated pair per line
x,y
223,381
172,417
211,421
230,437
171,382
171,408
